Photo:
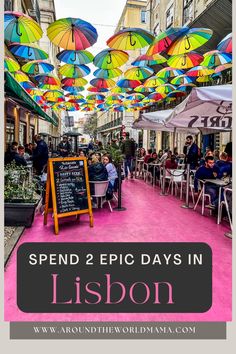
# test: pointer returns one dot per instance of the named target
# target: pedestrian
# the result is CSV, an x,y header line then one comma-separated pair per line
x,y
40,154
128,149
191,152
64,148
90,145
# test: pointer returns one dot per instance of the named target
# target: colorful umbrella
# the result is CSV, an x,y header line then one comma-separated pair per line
x,y
199,71
156,96
166,88
110,59
119,109
27,85
148,60
11,65
220,68
143,88
130,39
165,39
128,83
135,97
154,81
74,97
47,80
117,89
21,28
102,83
53,95
107,74
74,71
194,38
72,33
169,72
185,61
95,89
73,89
74,82
77,100
182,79
43,86
34,91
20,76
95,97
186,87
115,97
225,44
215,58
205,78
35,67
177,93
138,73
28,51
69,106
75,57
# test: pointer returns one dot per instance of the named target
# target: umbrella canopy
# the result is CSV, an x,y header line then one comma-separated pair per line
x,y
156,96
107,74
34,91
148,60
182,79
110,59
114,97
73,89
74,97
72,33
119,109
167,88
154,81
138,73
74,71
177,93
102,83
199,71
47,80
185,61
35,67
95,97
117,89
53,95
206,78
225,44
28,51
77,100
130,39
74,82
215,58
21,28
194,38
165,39
43,86
11,65
75,57
220,68
186,87
95,89
128,83
20,76
143,88
69,106
135,97
27,85
169,72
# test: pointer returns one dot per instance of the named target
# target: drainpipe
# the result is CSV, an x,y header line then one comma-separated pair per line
x,y
150,18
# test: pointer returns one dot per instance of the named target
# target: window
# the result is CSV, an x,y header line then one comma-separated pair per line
x,y
188,14
170,16
10,131
143,16
8,5
22,134
156,29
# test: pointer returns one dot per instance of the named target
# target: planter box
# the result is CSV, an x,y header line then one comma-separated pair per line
x,y
19,214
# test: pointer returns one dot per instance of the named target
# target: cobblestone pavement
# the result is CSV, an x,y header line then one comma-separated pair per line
x,y
8,232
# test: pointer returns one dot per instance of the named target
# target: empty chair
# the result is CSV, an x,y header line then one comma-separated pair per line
x,y
99,192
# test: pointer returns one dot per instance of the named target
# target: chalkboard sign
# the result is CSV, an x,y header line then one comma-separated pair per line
x,y
68,186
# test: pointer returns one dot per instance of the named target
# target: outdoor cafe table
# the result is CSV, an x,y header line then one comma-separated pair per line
x,y
138,164
155,165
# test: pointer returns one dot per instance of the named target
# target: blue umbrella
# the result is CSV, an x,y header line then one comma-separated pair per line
x,y
77,57
28,51
73,89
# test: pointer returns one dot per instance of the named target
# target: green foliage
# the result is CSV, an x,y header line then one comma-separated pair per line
x,y
90,126
116,154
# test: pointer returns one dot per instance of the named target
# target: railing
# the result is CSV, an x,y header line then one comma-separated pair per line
x,y
111,124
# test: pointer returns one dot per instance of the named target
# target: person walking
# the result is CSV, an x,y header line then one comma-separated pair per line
x,y
128,149
191,151
40,154
64,147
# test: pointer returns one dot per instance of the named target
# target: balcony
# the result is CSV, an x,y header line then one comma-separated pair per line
x,y
113,124
33,9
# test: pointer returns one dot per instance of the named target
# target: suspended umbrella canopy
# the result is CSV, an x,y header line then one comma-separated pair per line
x,y
11,65
53,95
95,89
164,39
147,101
72,33
169,72
20,76
39,99
27,85
118,89
130,39
88,109
128,83
95,97
75,57
192,39
73,89
110,59
149,60
143,88
166,88
119,109
47,80
135,97
28,51
225,44
138,73
200,71
205,78
156,96
186,87
154,81
74,82
77,100
102,106
102,83
185,61
74,97
115,97
107,74
220,68
68,106
35,67
182,79
176,93
43,86
35,92
215,58
74,71
21,28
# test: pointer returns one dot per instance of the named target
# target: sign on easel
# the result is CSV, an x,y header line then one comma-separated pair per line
x,y
67,189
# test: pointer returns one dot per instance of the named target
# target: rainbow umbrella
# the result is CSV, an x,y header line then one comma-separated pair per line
x,y
53,95
69,106
95,97
47,80
35,67
130,39
156,96
220,68
143,88
166,88
102,83
20,76
194,38
88,109
35,92
181,79
28,51
115,97
11,65
74,97
138,73
128,83
95,89
154,81
118,89
215,58
135,97
177,93
147,101
110,59
165,39
75,57
107,74
43,86
225,44
72,33
27,85
148,60
205,78
74,82
77,100
186,87
73,89
199,71
39,99
168,72
74,71
119,109
21,28
185,61
103,105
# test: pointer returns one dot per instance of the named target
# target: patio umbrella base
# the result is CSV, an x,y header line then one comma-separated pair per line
x,y
163,194
186,206
119,209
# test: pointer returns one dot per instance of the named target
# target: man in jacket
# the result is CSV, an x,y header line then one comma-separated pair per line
x,y
40,154
64,147
128,149
191,152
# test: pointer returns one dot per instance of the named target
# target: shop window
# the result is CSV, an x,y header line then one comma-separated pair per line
x,y
22,134
188,14
170,16
143,16
10,131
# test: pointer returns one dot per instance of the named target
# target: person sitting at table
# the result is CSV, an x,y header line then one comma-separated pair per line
x,y
111,170
208,171
224,165
160,153
98,156
141,153
171,163
164,157
152,160
147,156
81,153
96,171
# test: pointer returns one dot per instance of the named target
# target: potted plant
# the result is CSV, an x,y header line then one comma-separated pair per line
x,y
20,196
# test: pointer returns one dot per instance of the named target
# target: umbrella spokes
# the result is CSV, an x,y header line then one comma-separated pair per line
x,y
130,40
187,43
17,28
110,59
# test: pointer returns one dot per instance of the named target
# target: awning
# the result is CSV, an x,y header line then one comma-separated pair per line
x,y
13,89
153,120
